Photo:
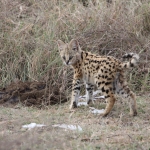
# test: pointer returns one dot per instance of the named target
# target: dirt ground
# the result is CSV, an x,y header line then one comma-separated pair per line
x,y
117,131
39,94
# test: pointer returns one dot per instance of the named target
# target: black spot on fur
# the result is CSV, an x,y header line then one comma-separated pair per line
x,y
76,88
107,83
107,96
88,89
109,78
103,82
106,77
97,67
78,81
103,90
107,91
99,83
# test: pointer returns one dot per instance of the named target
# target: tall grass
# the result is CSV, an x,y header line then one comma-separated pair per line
x,y
29,31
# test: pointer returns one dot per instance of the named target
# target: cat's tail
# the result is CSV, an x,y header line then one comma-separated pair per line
x,y
132,62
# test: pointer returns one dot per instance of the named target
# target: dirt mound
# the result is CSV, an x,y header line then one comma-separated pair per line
x,y
31,94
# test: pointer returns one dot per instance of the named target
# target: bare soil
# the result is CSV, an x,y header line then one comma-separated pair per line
x,y
37,94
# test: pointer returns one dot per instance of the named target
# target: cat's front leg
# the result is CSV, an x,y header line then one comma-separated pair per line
x,y
75,93
89,92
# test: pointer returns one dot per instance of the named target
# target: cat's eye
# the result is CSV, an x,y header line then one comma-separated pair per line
x,y
64,57
70,57
74,48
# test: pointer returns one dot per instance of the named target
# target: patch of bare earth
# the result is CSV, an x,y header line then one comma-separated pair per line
x,y
39,94
117,131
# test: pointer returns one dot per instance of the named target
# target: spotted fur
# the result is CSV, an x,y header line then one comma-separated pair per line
x,y
104,72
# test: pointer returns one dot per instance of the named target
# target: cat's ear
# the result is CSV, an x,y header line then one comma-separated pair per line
x,y
74,45
60,44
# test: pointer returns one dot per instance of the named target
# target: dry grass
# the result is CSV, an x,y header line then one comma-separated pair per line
x,y
29,30
117,131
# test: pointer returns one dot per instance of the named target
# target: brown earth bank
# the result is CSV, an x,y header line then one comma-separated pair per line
x,y
31,94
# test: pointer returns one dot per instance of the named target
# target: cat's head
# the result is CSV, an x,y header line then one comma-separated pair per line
x,y
69,52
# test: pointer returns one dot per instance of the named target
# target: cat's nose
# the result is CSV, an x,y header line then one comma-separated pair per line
x,y
67,62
